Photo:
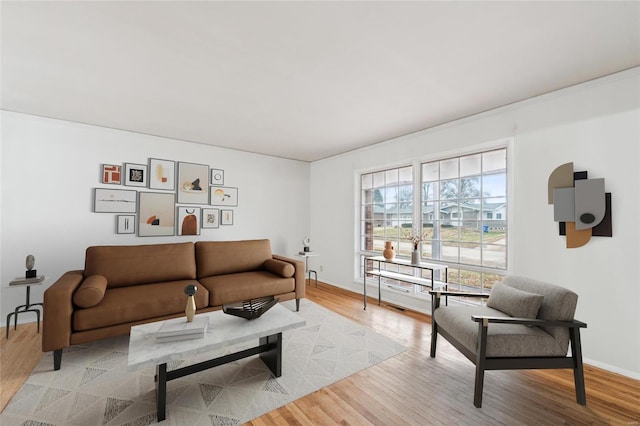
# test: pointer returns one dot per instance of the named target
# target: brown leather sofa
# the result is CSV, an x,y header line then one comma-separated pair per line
x,y
122,286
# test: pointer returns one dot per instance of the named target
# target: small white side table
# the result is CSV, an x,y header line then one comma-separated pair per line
x,y
28,306
307,255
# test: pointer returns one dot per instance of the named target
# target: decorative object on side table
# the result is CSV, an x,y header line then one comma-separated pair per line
x,y
415,238
305,243
30,263
250,309
388,252
190,310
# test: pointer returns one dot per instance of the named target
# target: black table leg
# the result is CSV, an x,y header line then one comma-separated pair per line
x,y
161,391
272,358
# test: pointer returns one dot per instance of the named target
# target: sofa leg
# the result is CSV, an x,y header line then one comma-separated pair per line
x,y
297,305
57,359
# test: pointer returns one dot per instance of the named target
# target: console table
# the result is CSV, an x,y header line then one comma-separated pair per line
x,y
399,276
28,307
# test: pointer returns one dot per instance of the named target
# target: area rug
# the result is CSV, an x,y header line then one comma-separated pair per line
x,y
94,387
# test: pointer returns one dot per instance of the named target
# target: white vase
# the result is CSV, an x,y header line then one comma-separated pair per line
x,y
415,257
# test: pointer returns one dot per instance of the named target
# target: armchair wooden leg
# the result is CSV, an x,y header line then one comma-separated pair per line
x,y
435,304
578,371
297,305
434,337
481,356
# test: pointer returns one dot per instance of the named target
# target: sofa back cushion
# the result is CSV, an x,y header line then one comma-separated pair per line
x,y
229,257
130,265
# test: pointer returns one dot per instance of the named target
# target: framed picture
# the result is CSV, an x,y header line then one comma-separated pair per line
x,y
162,174
112,174
217,177
126,224
156,214
114,200
210,218
226,217
135,174
192,183
188,220
223,196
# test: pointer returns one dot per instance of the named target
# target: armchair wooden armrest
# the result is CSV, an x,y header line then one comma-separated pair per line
x,y
529,321
439,293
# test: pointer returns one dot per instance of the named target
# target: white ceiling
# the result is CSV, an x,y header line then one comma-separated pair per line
x,y
300,80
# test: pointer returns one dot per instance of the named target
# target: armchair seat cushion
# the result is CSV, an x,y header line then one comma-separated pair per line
x,y
503,340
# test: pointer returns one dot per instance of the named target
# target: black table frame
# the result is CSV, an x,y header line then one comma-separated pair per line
x,y
269,349
22,309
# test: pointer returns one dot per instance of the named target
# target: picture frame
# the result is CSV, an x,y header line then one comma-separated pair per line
x,y
223,196
156,214
112,174
226,217
135,174
126,224
188,220
217,177
162,174
106,200
210,218
192,183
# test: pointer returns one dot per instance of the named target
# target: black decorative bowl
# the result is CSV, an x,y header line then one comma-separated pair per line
x,y
250,309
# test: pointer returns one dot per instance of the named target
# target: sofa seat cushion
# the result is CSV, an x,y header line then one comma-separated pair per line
x,y
244,286
127,304
503,340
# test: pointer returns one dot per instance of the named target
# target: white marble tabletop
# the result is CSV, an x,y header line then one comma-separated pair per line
x,y
223,330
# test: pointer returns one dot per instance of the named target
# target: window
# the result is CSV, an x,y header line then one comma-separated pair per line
x,y
386,209
459,199
460,206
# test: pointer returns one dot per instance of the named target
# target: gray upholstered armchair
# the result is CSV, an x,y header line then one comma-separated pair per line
x,y
526,324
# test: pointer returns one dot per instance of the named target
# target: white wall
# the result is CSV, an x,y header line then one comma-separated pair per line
x,y
50,167
597,126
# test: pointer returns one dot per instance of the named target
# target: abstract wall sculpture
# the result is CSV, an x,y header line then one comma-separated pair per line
x,y
580,205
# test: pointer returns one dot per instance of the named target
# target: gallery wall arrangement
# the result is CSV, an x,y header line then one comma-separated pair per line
x,y
580,205
167,197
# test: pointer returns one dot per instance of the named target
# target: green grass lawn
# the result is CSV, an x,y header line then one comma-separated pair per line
x,y
470,235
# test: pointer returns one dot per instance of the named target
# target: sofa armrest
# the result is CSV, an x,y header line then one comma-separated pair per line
x,y
58,311
299,275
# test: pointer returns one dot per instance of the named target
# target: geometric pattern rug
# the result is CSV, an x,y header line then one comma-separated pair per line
x,y
93,387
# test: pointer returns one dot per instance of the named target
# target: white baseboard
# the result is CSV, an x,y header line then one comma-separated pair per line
x,y
612,368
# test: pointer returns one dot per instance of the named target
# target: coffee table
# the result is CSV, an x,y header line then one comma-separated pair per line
x,y
223,331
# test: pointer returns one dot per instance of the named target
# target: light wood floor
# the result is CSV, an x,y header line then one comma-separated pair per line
x,y
410,388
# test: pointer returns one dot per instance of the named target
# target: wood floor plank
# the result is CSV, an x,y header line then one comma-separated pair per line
x,y
411,388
